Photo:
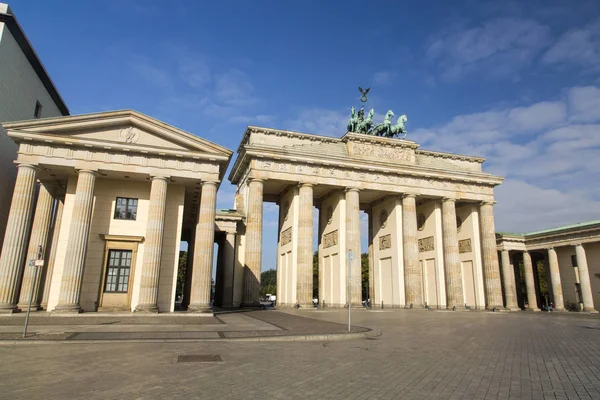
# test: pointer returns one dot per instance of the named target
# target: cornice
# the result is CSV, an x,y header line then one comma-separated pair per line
x,y
379,140
280,132
450,156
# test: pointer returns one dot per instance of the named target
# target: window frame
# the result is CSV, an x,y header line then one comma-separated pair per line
x,y
37,111
120,271
130,209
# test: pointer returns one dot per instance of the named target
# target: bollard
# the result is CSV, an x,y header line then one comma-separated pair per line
x,y
382,304
323,303
411,306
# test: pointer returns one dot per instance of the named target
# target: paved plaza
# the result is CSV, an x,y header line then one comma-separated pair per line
x,y
419,355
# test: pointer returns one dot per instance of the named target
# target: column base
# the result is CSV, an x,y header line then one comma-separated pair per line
x,y
34,307
9,309
456,308
590,310
533,309
146,308
496,308
67,309
199,309
413,306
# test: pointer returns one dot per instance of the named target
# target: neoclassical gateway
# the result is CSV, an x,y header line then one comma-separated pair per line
x,y
105,200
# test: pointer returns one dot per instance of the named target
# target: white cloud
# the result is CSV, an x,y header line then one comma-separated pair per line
x,y
550,160
320,122
501,47
153,74
578,46
234,88
382,78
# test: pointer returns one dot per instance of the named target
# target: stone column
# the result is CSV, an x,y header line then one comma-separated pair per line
x,y
189,266
60,203
304,285
559,302
491,269
148,299
371,257
353,243
529,282
412,270
508,278
203,250
15,239
452,266
253,256
72,276
584,279
40,231
228,268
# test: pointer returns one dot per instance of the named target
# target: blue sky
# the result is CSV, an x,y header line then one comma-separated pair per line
x,y
515,82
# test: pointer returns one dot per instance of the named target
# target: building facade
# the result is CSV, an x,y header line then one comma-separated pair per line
x,y
118,192
564,261
26,91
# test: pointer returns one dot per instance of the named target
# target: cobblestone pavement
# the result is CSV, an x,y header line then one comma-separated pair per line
x,y
421,355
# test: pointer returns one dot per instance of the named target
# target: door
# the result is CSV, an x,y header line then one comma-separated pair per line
x,y
116,288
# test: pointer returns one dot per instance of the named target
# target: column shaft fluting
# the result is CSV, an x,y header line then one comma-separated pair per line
x,y
371,257
304,277
452,266
557,294
81,219
203,250
491,268
584,279
508,279
15,238
40,231
228,268
412,269
353,243
529,282
148,300
253,256
60,204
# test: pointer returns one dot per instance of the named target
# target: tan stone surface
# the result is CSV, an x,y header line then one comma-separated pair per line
x,y
489,255
40,231
228,268
60,204
148,297
253,243
15,240
584,278
203,250
72,276
353,243
559,303
453,270
412,269
508,279
304,288
529,282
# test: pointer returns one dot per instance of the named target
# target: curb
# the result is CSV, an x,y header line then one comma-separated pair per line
x,y
288,338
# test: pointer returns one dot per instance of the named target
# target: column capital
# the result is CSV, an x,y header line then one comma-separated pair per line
x,y
86,170
209,183
160,177
578,245
250,180
488,203
405,195
306,184
446,199
351,189
34,167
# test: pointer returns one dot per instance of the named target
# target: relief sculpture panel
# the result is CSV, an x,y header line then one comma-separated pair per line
x,y
330,239
286,236
385,242
464,246
426,244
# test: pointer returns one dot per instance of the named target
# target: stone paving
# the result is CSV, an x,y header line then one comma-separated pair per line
x,y
420,355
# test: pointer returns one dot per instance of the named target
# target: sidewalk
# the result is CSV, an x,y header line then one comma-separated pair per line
x,y
238,325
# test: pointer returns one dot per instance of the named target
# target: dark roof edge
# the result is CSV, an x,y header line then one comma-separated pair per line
x,y
17,32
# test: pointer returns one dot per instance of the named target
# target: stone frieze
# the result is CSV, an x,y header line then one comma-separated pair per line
x,y
426,244
330,239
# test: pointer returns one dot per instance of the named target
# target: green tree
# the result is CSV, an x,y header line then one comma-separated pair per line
x,y
268,282
364,274
316,275
181,274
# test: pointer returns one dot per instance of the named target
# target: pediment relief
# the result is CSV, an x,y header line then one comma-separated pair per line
x,y
127,129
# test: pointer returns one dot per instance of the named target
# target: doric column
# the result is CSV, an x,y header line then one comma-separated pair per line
x,y
189,266
353,242
148,300
584,279
508,279
40,231
228,268
491,269
72,276
529,282
203,250
412,269
452,267
60,203
559,302
253,256
15,238
371,256
304,286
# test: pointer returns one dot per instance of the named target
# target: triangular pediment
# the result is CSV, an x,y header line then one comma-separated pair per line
x,y
116,129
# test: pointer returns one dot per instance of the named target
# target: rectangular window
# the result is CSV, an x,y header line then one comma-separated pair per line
x,y
117,271
126,208
38,110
